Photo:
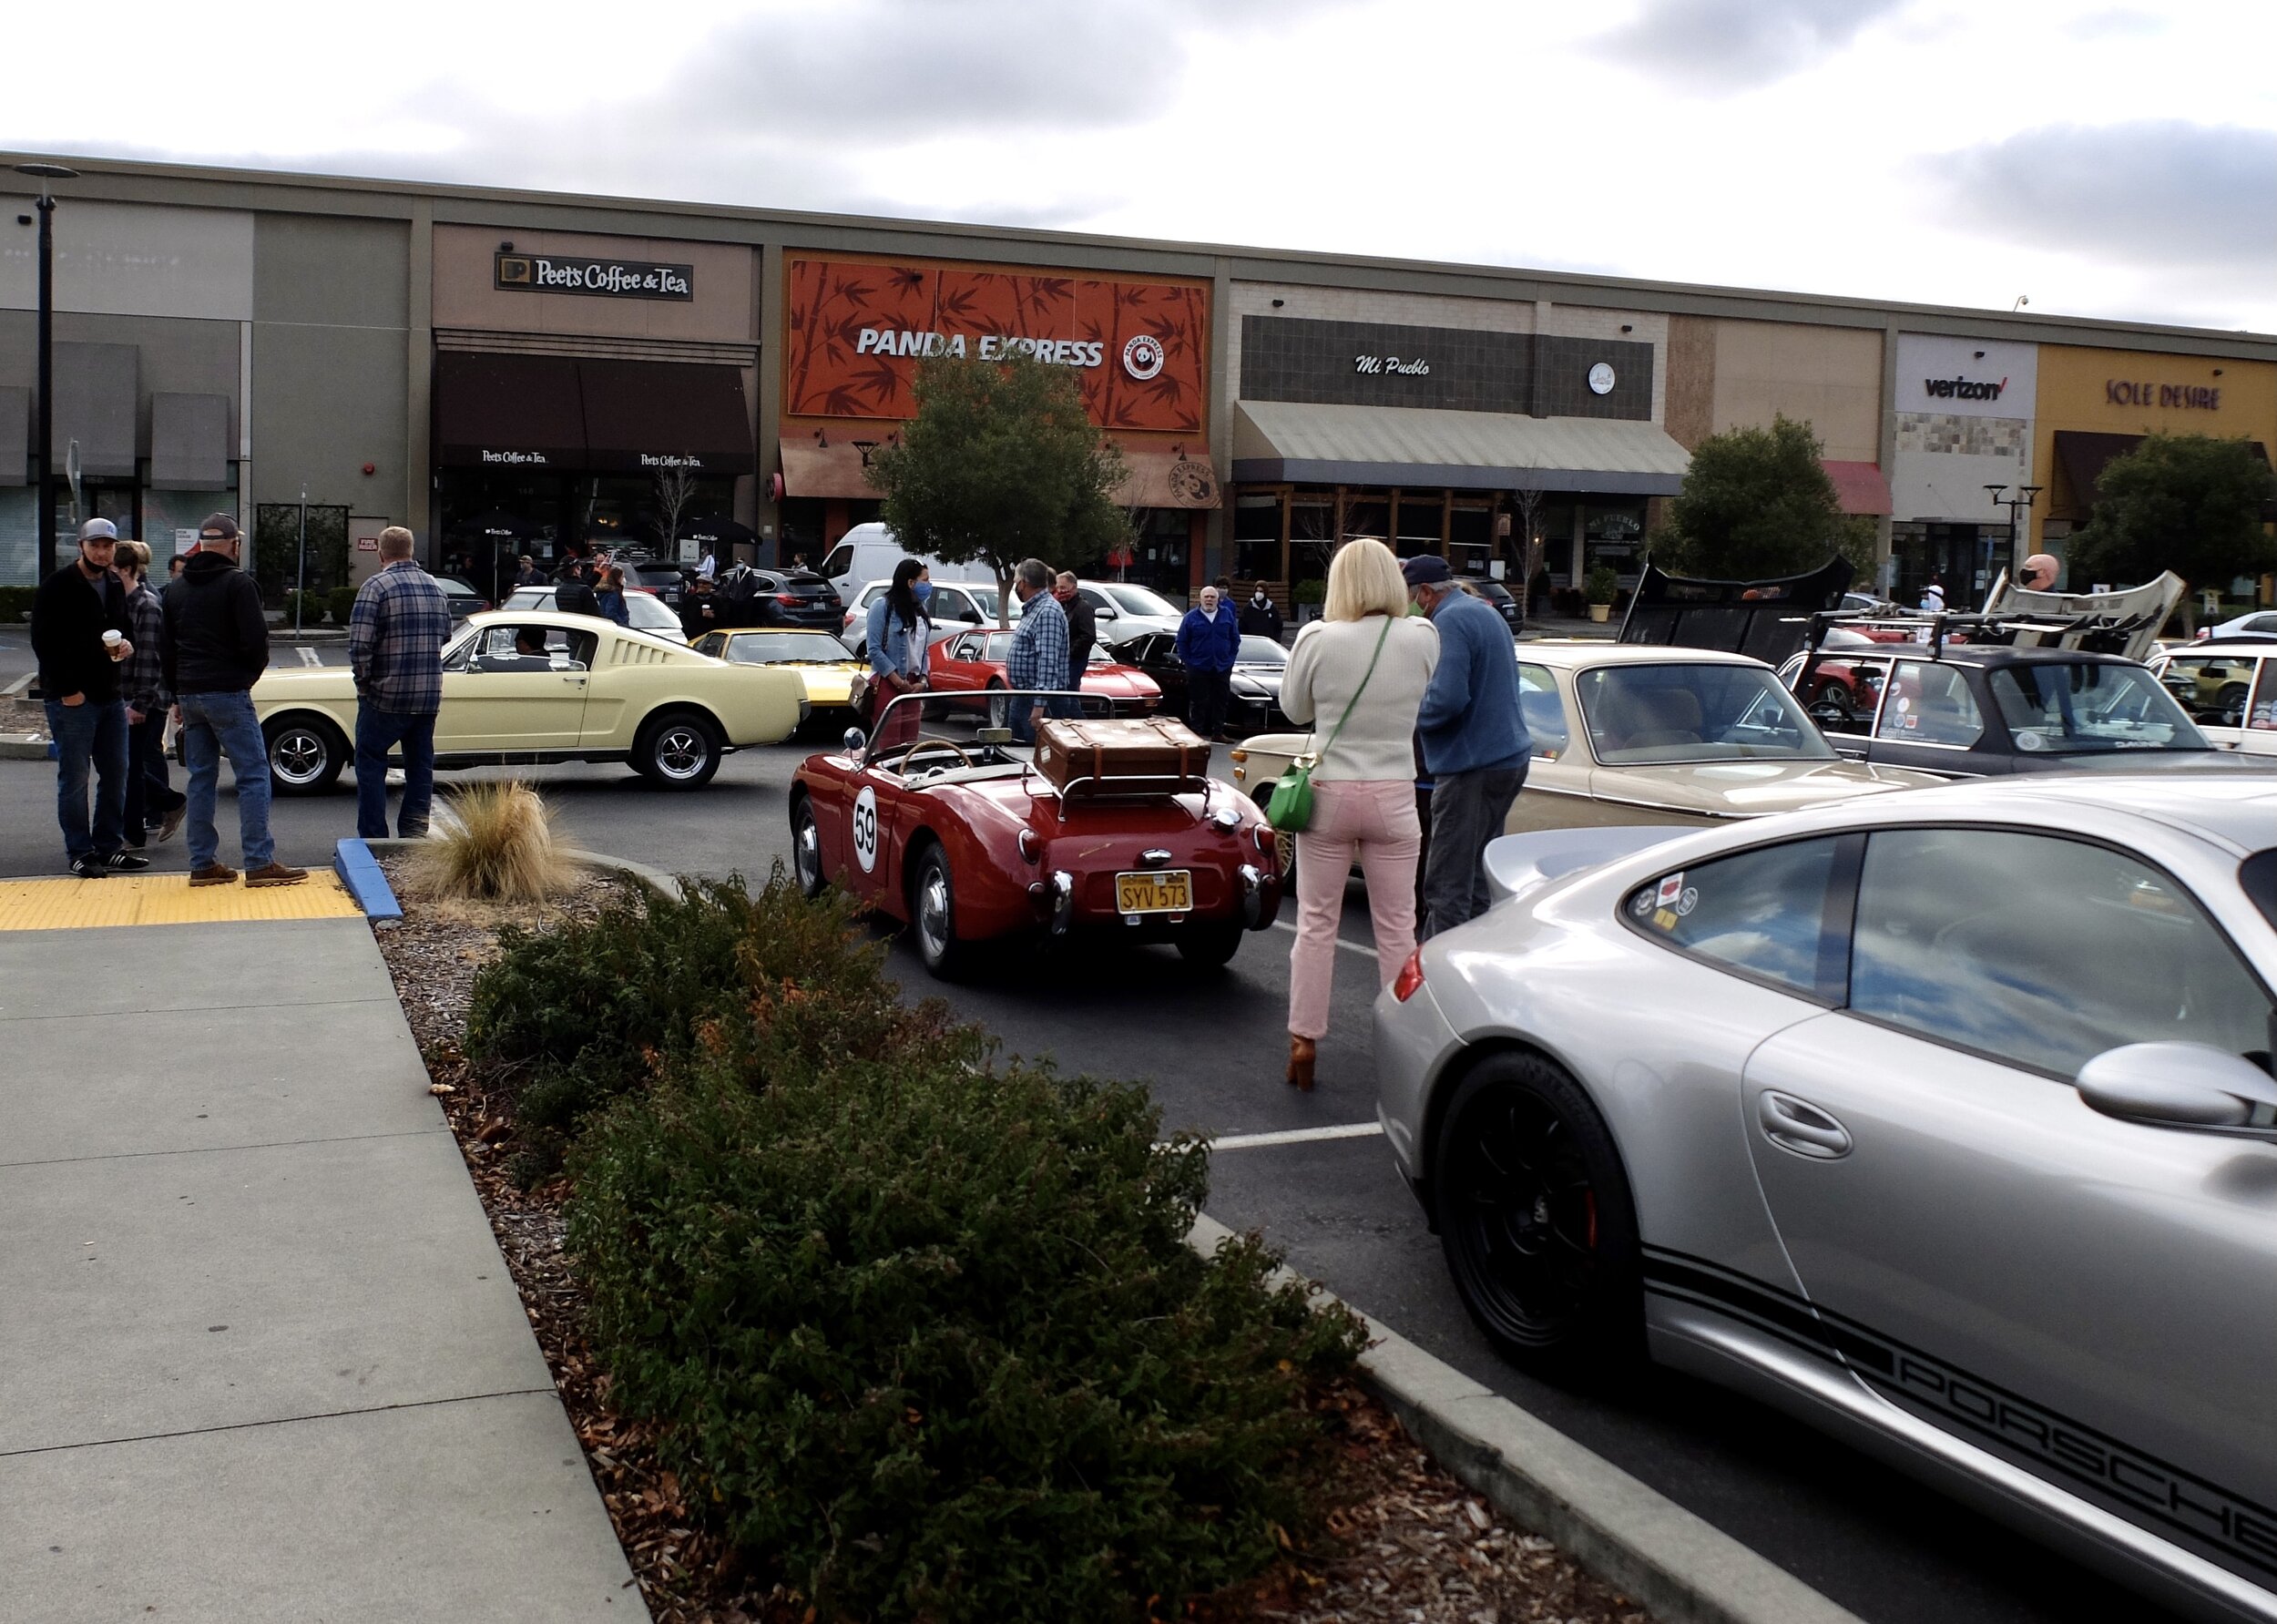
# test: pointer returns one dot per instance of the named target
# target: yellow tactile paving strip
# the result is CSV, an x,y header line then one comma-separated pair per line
x,y
165,899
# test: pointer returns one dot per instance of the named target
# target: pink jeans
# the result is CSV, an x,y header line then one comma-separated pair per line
x,y
1375,817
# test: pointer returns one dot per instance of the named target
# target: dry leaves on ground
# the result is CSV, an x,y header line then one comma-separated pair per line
x,y
1404,1543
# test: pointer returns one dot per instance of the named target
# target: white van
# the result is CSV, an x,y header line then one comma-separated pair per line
x,y
868,553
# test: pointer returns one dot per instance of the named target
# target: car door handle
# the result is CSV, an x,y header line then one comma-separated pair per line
x,y
1800,1127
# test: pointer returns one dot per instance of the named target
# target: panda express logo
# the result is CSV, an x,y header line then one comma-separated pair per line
x,y
1143,356
1964,389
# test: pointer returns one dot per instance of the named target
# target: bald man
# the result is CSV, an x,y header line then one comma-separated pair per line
x,y
2039,573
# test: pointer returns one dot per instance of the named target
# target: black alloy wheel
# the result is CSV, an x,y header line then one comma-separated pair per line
x,y
305,755
1536,1219
933,916
806,846
677,750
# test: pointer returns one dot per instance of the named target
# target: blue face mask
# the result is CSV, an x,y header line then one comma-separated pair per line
x,y
921,590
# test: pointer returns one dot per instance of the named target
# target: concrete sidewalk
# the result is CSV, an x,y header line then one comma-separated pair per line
x,y
259,1356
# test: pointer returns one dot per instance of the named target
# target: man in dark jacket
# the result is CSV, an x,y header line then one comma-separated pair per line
x,y
217,647
1083,636
79,632
151,800
1261,617
1209,640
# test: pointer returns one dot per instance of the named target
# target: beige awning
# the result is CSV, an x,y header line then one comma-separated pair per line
x,y
836,469
1167,479
1277,442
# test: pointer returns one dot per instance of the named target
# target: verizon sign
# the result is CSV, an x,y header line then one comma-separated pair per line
x,y
1962,377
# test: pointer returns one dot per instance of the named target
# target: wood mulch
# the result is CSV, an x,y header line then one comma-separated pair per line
x,y
1404,1542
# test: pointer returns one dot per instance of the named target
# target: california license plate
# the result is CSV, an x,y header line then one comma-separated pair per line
x,y
1166,891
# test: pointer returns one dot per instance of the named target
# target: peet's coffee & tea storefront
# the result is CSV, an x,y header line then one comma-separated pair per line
x,y
856,330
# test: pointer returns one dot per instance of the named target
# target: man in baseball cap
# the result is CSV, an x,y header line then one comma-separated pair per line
x,y
79,625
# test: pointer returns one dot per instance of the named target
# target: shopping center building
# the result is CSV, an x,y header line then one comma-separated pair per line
x,y
512,371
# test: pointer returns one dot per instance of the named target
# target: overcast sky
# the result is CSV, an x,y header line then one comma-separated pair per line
x,y
2108,160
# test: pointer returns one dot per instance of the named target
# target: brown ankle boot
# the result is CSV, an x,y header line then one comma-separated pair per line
x,y
1302,1052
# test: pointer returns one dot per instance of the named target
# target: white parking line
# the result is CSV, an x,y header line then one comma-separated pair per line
x,y
307,656
1296,1136
1360,947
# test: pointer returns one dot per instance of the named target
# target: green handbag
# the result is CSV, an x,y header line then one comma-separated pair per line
x,y
1289,807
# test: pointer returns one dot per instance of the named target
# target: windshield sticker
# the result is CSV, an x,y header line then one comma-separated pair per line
x,y
2031,741
1670,889
1688,901
1665,918
1641,904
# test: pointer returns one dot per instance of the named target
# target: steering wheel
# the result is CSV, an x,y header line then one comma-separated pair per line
x,y
922,745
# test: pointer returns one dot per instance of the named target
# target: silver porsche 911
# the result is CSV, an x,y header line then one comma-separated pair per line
x,y
1945,1120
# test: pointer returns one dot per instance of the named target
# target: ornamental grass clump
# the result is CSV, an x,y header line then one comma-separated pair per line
x,y
494,843
925,1338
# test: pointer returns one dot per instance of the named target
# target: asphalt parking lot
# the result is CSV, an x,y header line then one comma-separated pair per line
x,y
1210,1044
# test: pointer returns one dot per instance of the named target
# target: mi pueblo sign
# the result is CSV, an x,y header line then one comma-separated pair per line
x,y
1378,366
609,278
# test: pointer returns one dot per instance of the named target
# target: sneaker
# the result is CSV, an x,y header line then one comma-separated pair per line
x,y
89,867
126,863
213,873
171,822
276,874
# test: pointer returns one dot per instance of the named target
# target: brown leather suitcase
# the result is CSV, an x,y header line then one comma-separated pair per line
x,y
1150,753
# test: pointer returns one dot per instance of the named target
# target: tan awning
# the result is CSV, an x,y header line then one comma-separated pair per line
x,y
1305,443
836,469
1167,479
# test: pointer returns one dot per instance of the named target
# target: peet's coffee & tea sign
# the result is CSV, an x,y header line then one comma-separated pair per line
x,y
609,279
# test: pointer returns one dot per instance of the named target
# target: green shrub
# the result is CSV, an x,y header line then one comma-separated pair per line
x,y
926,1336
340,603
576,1017
1312,590
15,602
1601,585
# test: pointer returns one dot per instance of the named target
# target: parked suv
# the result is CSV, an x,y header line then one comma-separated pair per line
x,y
953,604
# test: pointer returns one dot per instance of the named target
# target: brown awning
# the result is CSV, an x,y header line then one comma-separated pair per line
x,y
2083,457
1858,487
831,469
497,411
647,417
1167,479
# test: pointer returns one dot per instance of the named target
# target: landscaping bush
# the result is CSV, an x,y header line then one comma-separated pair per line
x,y
578,1016
15,602
340,603
926,1336
496,843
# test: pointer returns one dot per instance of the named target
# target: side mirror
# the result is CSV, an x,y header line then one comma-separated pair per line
x,y
2182,1086
855,742
1106,612
970,617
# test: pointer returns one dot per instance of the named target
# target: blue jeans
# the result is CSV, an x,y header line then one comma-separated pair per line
x,y
90,735
215,725
150,794
378,731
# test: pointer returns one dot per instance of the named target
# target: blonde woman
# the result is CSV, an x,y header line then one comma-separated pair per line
x,y
1357,676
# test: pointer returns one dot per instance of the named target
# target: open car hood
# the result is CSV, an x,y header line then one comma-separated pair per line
x,y
2132,618
1768,619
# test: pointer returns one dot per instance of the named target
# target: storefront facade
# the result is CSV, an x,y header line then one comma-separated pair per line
x,y
1965,461
1443,426
855,330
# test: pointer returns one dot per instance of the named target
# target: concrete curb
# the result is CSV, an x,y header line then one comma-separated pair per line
x,y
22,747
655,879
1680,1566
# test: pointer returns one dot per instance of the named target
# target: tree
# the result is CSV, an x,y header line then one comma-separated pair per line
x,y
1001,463
1526,508
1757,504
2188,503
675,488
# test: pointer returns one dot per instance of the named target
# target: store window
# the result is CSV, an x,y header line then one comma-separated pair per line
x,y
1614,533
285,556
1257,535
1160,551
1420,520
1471,538
1368,512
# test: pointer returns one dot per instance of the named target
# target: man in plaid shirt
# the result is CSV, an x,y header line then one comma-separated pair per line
x,y
1039,655
395,640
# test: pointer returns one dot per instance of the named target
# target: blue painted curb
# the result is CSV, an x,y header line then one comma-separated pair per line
x,y
360,873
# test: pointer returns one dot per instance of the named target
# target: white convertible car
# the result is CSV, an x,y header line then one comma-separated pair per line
x,y
531,686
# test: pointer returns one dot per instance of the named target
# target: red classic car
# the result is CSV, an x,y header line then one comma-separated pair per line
x,y
966,840
972,663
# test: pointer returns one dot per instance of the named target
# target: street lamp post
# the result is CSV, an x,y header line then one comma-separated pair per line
x,y
2025,493
43,173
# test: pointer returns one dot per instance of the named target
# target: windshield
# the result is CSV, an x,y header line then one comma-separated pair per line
x,y
647,612
786,649
1138,600
2083,707
1667,713
1261,651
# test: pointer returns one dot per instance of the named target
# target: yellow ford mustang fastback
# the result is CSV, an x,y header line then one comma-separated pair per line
x,y
825,665
528,686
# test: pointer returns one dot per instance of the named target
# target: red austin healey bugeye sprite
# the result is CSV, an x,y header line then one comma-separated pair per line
x,y
1106,827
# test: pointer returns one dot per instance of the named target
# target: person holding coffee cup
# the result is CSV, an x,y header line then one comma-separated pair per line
x,y
79,633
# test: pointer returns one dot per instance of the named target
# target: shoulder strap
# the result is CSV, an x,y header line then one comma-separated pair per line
x,y
1355,703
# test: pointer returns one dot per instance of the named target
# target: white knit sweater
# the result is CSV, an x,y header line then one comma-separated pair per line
x,y
1325,668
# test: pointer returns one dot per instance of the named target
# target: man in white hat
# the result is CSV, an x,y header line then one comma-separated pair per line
x,y
1933,599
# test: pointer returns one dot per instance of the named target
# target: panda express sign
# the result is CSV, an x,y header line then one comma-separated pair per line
x,y
858,331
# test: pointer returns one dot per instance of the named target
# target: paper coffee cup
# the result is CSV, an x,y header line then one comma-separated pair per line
x,y
111,640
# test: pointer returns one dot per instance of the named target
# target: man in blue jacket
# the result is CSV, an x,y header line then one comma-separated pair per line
x,y
1475,742
1207,640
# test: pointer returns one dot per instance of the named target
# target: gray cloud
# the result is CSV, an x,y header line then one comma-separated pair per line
x,y
2157,192
1719,46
